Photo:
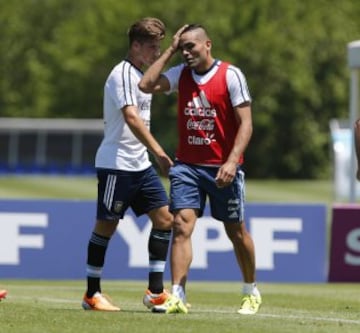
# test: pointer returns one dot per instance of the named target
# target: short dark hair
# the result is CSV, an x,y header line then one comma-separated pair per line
x,y
194,26
148,28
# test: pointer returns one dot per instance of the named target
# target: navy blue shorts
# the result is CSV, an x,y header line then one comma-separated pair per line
x,y
192,184
118,190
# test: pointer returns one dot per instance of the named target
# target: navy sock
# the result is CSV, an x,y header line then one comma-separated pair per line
x,y
95,261
158,248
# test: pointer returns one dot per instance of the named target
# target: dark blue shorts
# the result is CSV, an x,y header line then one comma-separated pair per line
x,y
118,190
192,184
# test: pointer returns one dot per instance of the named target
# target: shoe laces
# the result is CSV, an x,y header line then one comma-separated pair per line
x,y
103,297
246,301
246,298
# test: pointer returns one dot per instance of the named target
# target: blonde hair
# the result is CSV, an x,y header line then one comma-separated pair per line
x,y
146,29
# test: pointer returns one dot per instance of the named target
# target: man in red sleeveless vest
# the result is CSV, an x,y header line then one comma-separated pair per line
x,y
214,127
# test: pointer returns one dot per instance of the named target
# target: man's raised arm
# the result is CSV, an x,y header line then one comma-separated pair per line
x,y
153,81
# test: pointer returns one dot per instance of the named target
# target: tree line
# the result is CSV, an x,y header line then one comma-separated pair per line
x,y
56,54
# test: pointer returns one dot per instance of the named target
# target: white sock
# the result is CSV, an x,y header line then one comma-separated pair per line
x,y
179,292
251,289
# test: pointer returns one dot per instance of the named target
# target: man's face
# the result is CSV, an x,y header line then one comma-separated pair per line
x,y
194,48
149,51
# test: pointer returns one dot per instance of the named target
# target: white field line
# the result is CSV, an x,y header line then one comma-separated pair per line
x,y
195,311
334,320
292,317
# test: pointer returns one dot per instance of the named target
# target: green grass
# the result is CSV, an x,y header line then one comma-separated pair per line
x,y
53,187
54,306
70,187
295,191
84,187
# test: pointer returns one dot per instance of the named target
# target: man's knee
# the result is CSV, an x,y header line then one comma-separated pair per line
x,y
105,228
182,227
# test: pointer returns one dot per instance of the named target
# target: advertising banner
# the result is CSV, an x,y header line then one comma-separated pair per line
x,y
47,239
345,244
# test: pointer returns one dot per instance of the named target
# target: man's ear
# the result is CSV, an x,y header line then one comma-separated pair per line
x,y
208,44
136,45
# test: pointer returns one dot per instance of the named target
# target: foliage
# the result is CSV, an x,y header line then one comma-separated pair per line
x,y
55,56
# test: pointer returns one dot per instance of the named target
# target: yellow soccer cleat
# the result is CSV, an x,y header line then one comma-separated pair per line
x,y
172,305
250,305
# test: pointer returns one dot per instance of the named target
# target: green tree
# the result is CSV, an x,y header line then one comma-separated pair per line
x,y
55,56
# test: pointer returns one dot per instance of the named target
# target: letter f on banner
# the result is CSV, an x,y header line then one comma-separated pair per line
x,y
11,240
263,232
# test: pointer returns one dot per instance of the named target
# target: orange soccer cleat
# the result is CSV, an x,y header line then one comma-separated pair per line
x,y
3,294
98,302
150,299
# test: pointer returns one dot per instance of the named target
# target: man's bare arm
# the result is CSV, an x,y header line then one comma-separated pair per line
x,y
143,134
153,81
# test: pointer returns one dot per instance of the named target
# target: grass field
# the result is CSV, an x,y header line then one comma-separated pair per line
x,y
85,188
54,306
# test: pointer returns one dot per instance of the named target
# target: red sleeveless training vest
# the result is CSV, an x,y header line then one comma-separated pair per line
x,y
206,121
